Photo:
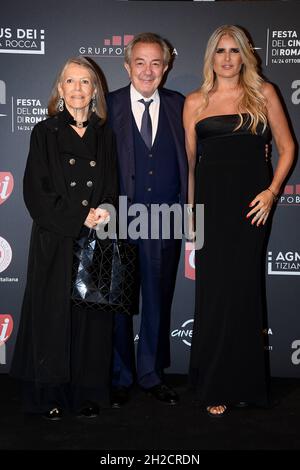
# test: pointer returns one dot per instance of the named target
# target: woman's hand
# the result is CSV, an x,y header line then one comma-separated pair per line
x,y
96,216
262,205
103,215
90,221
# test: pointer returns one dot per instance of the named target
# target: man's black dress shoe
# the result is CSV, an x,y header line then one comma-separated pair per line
x,y
163,393
120,396
91,411
55,414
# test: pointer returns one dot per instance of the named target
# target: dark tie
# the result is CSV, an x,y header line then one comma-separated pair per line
x,y
146,127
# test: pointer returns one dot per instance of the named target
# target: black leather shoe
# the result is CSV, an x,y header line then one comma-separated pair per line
x,y
91,411
163,393
55,414
120,396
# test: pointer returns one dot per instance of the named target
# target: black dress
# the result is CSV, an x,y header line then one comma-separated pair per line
x,y
91,331
227,355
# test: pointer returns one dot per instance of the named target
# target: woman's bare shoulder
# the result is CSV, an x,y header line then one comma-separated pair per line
x,y
195,99
194,105
268,90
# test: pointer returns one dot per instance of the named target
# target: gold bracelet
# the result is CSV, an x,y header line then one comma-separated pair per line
x,y
275,198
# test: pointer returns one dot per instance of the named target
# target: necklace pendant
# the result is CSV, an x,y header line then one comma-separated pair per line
x,y
79,124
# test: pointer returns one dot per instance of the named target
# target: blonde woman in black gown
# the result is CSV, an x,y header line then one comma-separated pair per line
x,y
232,117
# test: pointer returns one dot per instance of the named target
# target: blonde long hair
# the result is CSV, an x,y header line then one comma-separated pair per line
x,y
100,103
253,101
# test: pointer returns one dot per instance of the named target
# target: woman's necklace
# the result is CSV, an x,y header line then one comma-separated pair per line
x,y
79,124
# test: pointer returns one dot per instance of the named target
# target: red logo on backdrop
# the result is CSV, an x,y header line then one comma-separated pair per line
x,y
6,185
118,40
290,195
6,327
292,189
189,270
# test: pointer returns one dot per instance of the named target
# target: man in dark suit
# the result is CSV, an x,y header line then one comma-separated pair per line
x,y
152,170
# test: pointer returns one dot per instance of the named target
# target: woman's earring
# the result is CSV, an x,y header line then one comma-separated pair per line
x,y
60,104
94,104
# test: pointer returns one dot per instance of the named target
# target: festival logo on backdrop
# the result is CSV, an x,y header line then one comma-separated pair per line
x,y
185,332
290,195
6,327
283,47
6,185
5,254
22,40
284,263
189,261
111,46
26,113
2,96
5,260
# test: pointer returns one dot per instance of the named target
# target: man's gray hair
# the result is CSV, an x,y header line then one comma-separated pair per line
x,y
149,38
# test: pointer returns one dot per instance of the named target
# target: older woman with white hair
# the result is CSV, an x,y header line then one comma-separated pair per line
x,y
63,351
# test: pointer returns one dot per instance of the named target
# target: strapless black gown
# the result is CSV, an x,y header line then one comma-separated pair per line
x,y
227,355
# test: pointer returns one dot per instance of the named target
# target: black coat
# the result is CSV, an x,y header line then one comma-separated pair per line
x,y
42,351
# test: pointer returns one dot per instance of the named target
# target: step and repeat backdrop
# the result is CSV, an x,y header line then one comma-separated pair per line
x,y
35,40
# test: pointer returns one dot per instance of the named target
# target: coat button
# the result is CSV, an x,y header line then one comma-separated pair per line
x,y
84,202
73,183
151,172
72,161
150,155
92,163
149,189
89,184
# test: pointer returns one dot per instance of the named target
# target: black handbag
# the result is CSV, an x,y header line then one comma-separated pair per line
x,y
104,274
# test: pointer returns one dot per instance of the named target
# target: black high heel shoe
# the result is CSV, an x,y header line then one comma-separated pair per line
x,y
55,414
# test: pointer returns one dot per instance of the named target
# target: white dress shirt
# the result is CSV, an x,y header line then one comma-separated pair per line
x,y
139,108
